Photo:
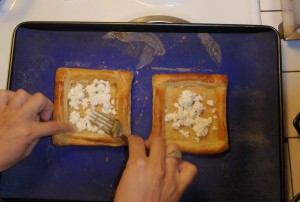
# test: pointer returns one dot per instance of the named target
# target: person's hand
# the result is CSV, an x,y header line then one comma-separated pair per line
x,y
158,177
24,119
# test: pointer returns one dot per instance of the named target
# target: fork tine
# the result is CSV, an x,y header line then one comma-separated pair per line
x,y
101,125
104,116
99,117
108,124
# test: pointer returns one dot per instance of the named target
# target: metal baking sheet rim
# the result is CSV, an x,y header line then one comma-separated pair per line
x,y
157,27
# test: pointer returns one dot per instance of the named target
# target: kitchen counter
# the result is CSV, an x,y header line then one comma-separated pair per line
x,y
271,14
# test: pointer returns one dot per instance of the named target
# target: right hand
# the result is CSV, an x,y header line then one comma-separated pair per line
x,y
153,178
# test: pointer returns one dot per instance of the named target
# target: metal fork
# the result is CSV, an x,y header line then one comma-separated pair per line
x,y
107,123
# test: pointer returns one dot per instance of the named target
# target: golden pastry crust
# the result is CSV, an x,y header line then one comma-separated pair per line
x,y
120,84
166,90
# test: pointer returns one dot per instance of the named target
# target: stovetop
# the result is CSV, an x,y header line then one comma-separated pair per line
x,y
13,12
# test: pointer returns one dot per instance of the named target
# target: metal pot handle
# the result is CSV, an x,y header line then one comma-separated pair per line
x,y
159,19
296,123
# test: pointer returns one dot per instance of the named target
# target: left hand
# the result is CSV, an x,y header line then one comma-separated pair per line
x,y
24,119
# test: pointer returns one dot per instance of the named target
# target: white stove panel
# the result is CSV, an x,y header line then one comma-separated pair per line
x,y
13,12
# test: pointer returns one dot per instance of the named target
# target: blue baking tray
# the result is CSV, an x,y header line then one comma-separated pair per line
x,y
252,169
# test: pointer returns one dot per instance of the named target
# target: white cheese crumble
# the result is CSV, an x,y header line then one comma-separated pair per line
x,y
76,96
189,113
96,94
210,103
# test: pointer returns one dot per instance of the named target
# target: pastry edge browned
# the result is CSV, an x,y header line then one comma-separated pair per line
x,y
89,138
201,147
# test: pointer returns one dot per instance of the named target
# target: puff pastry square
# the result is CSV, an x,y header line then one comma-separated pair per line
x,y
167,88
120,86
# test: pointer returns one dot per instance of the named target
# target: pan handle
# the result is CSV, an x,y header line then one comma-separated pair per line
x,y
159,19
296,123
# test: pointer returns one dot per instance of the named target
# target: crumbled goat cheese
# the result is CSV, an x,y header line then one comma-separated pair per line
x,y
88,98
189,114
215,128
74,117
184,133
75,96
210,103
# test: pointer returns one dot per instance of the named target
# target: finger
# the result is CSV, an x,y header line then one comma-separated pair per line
x,y
147,143
37,118
172,163
38,104
157,151
187,173
18,99
42,129
46,110
136,148
149,140
5,97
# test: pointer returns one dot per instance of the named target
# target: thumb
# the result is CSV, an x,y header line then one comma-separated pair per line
x,y
43,129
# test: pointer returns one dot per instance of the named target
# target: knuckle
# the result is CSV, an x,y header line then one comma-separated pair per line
x,y
141,163
21,92
25,137
27,131
138,164
172,146
159,139
39,96
173,187
135,138
158,172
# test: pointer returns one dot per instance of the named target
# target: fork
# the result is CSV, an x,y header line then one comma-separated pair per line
x,y
107,123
